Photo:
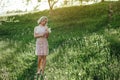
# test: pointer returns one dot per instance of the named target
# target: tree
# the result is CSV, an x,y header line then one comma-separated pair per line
x,y
51,4
30,1
102,0
65,2
81,1
110,12
71,2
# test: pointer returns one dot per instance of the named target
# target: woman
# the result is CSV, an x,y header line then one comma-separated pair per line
x,y
41,33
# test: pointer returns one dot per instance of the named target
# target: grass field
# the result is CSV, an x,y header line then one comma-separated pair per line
x,y
83,44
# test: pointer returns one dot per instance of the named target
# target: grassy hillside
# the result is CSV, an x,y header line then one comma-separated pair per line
x,y
83,45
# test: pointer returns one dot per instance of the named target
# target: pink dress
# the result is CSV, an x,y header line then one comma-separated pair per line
x,y
41,43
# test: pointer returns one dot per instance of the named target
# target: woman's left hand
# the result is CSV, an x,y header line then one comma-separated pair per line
x,y
46,35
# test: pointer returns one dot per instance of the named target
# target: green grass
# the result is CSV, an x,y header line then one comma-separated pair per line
x,y
83,45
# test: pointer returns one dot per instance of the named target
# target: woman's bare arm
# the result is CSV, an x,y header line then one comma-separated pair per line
x,y
36,35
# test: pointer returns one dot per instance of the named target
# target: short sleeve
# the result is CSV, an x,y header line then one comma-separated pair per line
x,y
46,27
35,30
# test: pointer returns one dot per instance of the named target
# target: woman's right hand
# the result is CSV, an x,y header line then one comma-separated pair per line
x,y
46,31
46,34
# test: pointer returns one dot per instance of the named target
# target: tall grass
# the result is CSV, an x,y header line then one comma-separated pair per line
x,y
83,46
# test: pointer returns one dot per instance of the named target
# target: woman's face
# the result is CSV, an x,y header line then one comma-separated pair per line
x,y
44,22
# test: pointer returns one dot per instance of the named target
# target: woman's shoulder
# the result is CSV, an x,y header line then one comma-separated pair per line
x,y
36,27
46,27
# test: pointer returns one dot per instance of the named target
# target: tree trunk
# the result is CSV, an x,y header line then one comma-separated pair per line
x,y
65,2
102,0
51,5
110,13
80,2
51,11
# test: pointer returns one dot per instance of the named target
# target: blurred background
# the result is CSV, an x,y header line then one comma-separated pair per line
x,y
84,43
19,6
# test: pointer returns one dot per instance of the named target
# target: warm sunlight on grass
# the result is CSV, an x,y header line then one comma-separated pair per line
x,y
83,45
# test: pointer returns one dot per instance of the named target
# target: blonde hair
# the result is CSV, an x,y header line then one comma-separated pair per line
x,y
42,19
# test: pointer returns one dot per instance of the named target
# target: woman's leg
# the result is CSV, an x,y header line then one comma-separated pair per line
x,y
43,64
39,63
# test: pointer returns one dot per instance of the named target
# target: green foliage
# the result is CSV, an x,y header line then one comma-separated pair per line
x,y
83,46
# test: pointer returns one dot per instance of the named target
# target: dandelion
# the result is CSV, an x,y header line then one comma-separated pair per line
x,y
49,30
79,74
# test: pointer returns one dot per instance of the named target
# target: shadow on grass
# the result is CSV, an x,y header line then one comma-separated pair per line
x,y
12,59
115,48
30,72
